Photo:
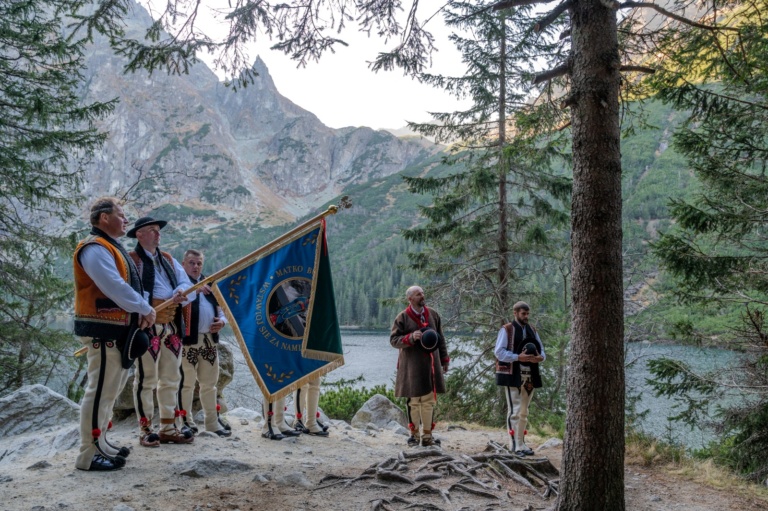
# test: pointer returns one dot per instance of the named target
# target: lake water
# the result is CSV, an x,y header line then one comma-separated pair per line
x,y
369,354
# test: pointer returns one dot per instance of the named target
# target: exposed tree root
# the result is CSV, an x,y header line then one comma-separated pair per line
x,y
487,475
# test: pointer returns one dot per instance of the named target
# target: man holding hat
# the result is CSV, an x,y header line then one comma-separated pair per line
x,y
418,334
164,279
519,351
109,304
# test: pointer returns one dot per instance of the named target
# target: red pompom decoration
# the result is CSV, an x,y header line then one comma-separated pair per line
x,y
525,432
298,415
96,433
317,414
511,432
218,407
270,413
143,421
109,426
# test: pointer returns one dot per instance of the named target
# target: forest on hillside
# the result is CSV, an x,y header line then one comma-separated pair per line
x,y
620,189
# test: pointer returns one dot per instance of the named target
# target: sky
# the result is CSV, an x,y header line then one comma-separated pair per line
x,y
342,91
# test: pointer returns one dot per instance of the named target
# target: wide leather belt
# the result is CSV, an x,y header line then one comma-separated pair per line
x,y
166,315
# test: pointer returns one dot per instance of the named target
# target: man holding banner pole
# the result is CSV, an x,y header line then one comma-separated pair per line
x,y
418,334
159,368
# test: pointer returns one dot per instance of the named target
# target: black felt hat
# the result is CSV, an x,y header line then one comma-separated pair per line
x,y
429,340
143,222
135,346
530,349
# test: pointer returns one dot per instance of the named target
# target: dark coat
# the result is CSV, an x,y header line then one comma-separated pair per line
x,y
414,366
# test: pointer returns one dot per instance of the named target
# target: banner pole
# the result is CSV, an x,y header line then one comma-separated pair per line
x,y
344,203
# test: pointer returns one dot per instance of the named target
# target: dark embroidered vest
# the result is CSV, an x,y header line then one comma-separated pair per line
x,y
509,374
192,317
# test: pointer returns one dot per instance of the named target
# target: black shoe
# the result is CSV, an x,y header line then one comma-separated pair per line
x,y
224,423
124,452
318,433
301,428
437,441
223,433
272,436
413,441
324,426
291,432
188,432
101,463
524,452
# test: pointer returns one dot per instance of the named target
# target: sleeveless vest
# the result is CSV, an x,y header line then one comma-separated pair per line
x,y
509,374
96,315
191,313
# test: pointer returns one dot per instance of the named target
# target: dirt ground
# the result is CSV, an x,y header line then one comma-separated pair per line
x,y
285,475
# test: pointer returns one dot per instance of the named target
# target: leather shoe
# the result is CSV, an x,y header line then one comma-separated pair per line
x,y
223,433
100,463
524,452
187,431
149,438
174,436
318,433
413,441
291,432
272,436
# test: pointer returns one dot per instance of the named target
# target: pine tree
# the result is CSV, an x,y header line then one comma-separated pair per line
x,y
717,250
497,207
46,132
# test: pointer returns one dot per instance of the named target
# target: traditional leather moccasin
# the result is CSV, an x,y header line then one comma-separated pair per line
x,y
174,436
149,439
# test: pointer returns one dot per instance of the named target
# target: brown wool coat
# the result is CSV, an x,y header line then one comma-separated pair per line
x,y
414,374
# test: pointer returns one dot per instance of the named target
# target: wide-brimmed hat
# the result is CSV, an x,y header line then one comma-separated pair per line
x,y
143,222
135,346
429,340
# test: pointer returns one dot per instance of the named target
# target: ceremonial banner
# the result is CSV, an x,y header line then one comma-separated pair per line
x,y
282,310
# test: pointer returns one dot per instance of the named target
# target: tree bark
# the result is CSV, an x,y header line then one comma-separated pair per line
x,y
502,243
593,457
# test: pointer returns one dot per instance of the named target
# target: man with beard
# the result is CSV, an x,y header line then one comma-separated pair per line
x,y
418,333
159,368
108,299
519,351
204,319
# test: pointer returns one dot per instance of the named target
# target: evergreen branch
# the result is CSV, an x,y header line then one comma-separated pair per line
x,y
630,4
506,4
552,16
553,73
638,69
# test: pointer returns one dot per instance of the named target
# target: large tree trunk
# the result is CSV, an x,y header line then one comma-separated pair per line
x,y
502,243
593,458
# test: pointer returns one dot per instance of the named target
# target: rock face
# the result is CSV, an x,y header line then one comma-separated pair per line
x,y
35,408
210,150
380,411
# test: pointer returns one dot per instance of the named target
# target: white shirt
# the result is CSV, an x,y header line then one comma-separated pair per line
x,y
504,355
163,290
207,313
99,264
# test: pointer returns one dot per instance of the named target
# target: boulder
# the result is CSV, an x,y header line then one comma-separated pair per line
x,y
34,408
124,406
380,411
210,467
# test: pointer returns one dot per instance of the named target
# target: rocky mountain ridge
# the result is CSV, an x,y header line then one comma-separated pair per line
x,y
250,153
